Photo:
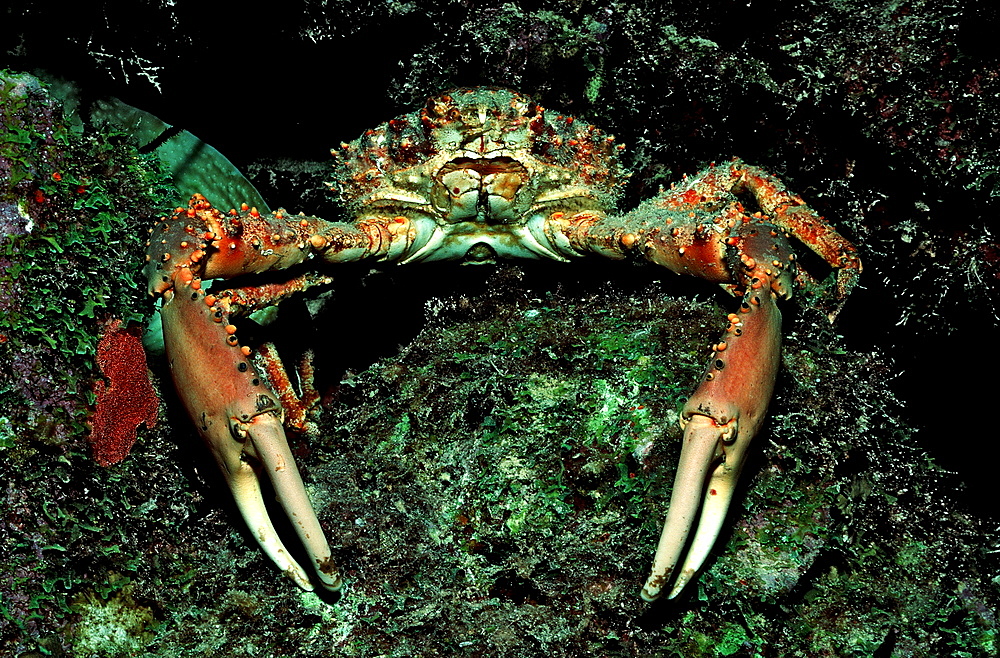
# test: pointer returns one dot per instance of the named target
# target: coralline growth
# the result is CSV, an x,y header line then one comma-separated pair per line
x,y
127,400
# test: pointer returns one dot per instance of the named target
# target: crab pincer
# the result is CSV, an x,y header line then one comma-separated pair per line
x,y
719,420
230,403
702,228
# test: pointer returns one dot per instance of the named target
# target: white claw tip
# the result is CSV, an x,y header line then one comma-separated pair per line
x,y
332,587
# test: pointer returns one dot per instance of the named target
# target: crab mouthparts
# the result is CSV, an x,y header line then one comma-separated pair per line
x,y
480,189
480,254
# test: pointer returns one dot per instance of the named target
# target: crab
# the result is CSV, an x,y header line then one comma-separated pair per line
x,y
477,175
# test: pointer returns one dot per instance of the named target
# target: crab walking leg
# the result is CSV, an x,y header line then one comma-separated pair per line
x,y
783,208
720,419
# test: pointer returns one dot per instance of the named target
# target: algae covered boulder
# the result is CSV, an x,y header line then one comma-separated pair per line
x,y
496,448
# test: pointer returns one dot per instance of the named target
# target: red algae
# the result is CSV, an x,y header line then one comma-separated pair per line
x,y
127,400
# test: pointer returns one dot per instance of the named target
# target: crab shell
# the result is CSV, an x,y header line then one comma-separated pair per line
x,y
488,166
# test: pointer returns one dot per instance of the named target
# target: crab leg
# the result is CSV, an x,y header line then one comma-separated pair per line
x,y
234,409
703,230
728,407
241,421
719,421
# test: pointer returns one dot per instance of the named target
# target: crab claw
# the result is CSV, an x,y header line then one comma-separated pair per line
x,y
265,441
240,419
719,421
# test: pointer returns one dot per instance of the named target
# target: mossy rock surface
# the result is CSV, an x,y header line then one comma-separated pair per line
x,y
496,489
493,484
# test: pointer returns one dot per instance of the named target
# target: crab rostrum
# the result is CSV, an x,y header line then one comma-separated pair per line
x,y
478,175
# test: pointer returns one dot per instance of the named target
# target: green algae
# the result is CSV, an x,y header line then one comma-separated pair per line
x,y
113,626
497,489
71,206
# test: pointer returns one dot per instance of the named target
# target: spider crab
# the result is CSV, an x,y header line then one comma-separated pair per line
x,y
477,175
